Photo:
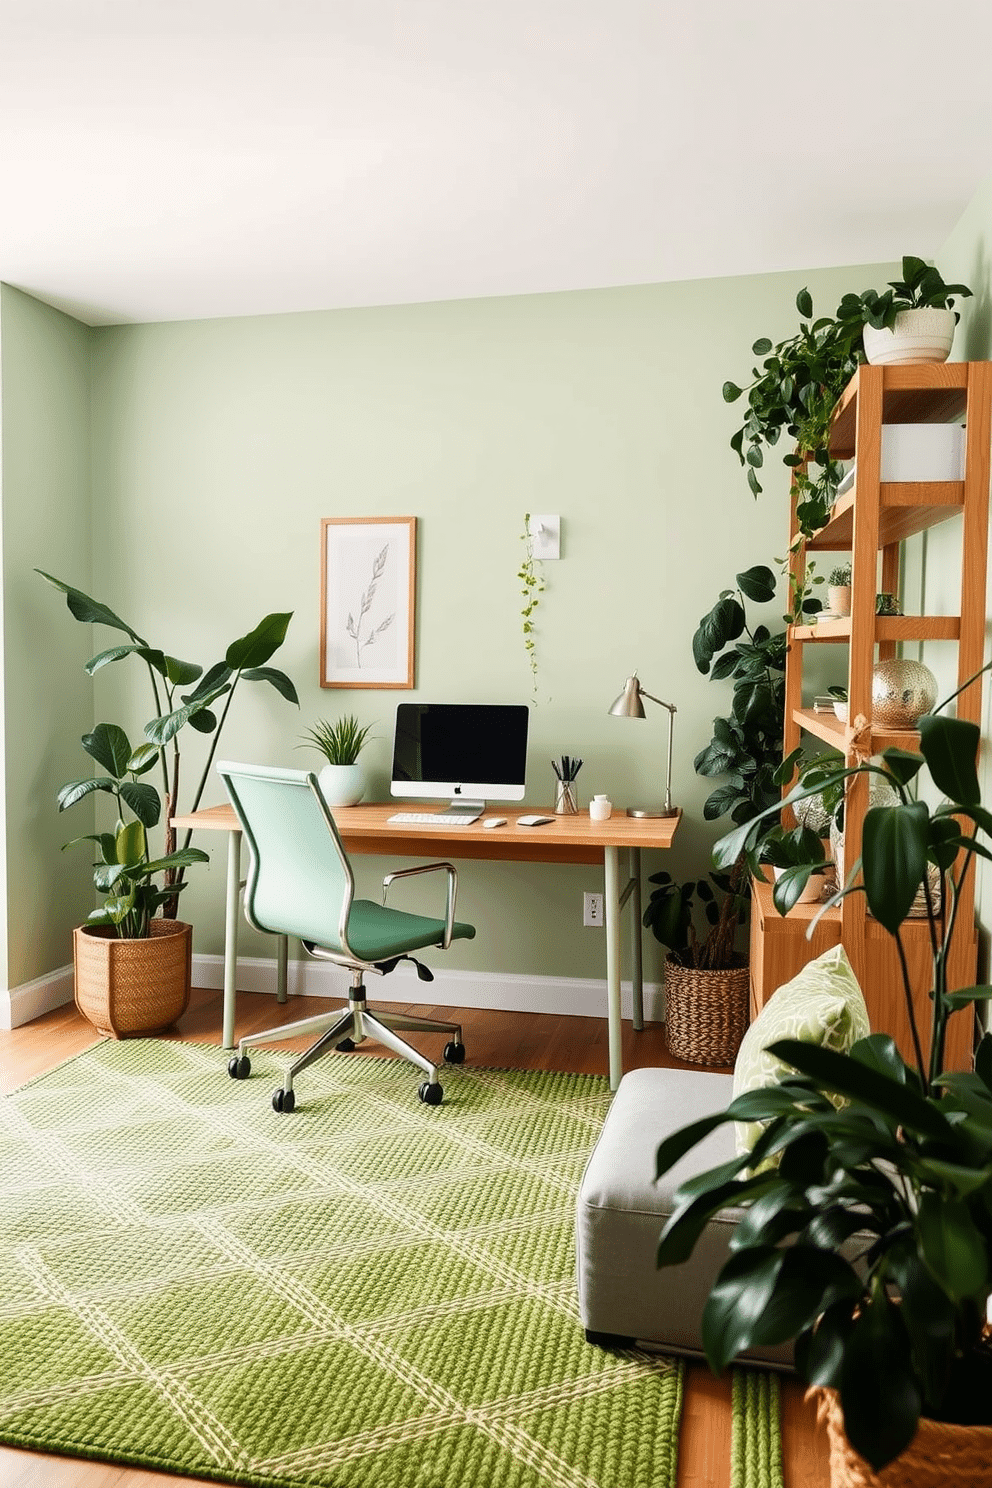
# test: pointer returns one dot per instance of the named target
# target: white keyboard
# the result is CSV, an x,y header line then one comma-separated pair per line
x,y
433,818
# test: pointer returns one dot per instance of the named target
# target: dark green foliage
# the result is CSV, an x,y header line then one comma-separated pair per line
x,y
903,1168
793,391
746,746
696,924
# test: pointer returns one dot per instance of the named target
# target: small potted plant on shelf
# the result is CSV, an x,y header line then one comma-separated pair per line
x,y
790,852
887,604
868,1147
913,320
839,695
839,590
342,781
132,958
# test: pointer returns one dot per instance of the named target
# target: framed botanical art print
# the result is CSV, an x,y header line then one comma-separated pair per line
x,y
367,588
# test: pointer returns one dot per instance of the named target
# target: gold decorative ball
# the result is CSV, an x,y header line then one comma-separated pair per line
x,y
901,692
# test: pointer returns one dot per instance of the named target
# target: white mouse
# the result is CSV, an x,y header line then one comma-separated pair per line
x,y
494,821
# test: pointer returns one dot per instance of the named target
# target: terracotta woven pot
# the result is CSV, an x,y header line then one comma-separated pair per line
x,y
939,1456
706,1011
131,987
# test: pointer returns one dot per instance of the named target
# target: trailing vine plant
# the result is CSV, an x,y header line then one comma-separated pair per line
x,y
531,576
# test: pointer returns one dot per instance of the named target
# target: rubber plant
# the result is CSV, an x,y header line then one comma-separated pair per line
x,y
697,920
125,871
893,1156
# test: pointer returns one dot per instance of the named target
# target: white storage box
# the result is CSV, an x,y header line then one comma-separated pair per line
x,y
922,452
917,452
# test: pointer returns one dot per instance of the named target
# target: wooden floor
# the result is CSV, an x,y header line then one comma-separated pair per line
x,y
494,1040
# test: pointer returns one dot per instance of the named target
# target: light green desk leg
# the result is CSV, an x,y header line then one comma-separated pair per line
x,y
636,963
231,935
611,896
282,956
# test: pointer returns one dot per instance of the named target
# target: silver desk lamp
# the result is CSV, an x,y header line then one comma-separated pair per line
x,y
629,705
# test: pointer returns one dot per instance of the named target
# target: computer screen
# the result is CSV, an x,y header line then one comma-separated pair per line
x,y
465,751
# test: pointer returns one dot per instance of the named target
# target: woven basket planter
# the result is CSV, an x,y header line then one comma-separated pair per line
x,y
131,987
706,1013
939,1456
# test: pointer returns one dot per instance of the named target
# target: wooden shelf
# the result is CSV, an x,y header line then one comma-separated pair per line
x,y
828,728
871,522
887,628
905,508
921,393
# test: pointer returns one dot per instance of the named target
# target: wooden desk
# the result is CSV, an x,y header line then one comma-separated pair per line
x,y
567,839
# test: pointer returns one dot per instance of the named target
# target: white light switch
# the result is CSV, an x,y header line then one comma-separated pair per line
x,y
545,537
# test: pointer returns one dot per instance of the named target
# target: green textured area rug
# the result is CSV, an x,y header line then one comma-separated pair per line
x,y
367,1292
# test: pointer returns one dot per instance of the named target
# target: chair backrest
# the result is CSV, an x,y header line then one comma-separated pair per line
x,y
299,879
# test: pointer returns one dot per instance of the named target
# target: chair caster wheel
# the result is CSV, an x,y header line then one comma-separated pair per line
x,y
431,1095
239,1069
454,1053
284,1100
345,1046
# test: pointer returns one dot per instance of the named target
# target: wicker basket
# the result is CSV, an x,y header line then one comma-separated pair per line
x,y
131,987
706,1013
939,1456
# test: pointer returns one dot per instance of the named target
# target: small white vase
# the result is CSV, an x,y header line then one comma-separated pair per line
x,y
917,336
342,785
839,599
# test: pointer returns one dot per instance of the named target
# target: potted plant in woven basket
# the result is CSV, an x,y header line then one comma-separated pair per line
x,y
891,1156
706,978
132,958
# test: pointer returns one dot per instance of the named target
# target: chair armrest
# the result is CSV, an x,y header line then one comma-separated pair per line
x,y
449,912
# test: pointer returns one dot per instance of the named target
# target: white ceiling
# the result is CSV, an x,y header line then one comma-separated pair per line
x,y
168,159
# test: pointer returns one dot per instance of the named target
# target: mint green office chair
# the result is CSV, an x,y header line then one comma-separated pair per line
x,y
300,883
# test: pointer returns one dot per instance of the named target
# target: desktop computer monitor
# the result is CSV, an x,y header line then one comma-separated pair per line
x,y
469,753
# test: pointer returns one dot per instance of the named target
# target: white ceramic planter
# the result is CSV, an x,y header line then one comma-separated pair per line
x,y
839,599
916,336
342,785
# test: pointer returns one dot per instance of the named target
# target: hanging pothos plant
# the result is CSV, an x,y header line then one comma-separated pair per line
x,y
531,576
795,390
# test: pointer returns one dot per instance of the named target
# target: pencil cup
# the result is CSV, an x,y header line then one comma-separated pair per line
x,y
600,808
565,803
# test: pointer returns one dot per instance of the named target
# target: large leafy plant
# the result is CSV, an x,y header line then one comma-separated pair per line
x,y
901,1171
696,920
127,868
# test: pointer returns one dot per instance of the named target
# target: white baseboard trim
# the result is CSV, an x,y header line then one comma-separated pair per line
x,y
19,1005
581,996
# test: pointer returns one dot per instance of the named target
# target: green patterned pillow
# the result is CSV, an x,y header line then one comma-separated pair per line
x,y
821,1005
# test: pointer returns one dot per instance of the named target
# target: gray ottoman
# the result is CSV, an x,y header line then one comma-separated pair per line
x,y
621,1210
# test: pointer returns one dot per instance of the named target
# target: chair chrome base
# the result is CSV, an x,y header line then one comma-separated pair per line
x,y
356,1023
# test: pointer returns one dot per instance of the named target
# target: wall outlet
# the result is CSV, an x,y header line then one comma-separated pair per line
x,y
592,910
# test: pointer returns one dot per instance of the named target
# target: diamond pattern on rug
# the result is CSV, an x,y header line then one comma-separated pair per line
x,y
369,1293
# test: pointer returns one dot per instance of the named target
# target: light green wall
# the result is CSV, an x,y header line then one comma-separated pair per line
x,y
218,446
47,700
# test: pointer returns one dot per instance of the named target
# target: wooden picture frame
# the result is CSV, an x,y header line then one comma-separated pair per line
x,y
368,568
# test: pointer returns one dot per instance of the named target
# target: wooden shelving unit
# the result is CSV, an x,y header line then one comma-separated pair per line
x,y
870,522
